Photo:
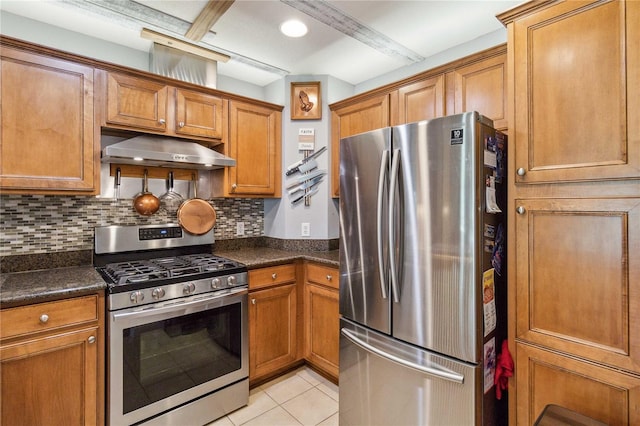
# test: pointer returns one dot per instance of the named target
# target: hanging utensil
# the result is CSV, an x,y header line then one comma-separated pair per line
x,y
171,200
146,203
116,186
196,216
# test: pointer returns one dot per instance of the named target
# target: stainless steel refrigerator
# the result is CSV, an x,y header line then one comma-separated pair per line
x,y
422,273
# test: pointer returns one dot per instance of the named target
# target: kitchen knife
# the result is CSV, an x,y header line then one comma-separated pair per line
x,y
300,198
296,166
307,184
309,176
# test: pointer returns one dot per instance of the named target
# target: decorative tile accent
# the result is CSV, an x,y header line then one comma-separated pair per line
x,y
34,224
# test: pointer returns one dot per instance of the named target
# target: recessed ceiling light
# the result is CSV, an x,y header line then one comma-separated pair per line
x,y
293,28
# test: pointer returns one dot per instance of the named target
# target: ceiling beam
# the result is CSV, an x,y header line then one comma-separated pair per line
x,y
209,15
133,15
325,12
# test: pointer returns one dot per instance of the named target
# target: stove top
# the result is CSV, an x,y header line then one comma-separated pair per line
x,y
156,263
165,268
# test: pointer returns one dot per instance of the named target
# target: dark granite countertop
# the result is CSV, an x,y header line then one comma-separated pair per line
x,y
262,256
23,288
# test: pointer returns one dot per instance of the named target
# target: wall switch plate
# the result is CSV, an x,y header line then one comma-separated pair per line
x,y
239,228
306,229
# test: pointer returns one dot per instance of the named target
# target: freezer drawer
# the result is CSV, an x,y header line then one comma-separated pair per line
x,y
386,382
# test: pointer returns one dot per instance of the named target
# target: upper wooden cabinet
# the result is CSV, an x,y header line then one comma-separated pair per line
x,y
422,100
48,141
146,105
576,91
255,139
482,87
354,118
475,83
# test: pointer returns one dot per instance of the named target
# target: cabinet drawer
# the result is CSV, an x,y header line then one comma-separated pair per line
x,y
266,277
323,275
48,316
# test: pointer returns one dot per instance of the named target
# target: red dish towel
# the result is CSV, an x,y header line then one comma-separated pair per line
x,y
504,369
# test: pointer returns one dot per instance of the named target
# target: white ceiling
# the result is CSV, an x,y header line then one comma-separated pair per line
x,y
401,32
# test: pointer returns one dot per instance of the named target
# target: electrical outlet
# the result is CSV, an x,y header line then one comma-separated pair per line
x,y
239,228
306,229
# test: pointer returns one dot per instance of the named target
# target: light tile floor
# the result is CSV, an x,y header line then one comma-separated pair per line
x,y
301,397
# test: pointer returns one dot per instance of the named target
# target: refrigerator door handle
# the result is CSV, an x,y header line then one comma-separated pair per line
x,y
395,164
381,181
444,375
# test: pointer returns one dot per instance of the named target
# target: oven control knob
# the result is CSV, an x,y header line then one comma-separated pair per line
x,y
231,280
188,288
215,283
157,293
137,297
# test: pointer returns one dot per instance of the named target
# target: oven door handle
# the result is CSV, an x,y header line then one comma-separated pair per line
x,y
182,308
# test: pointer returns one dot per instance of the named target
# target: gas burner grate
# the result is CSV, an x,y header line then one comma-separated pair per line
x,y
130,272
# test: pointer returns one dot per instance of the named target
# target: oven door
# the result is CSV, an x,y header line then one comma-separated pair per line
x,y
165,355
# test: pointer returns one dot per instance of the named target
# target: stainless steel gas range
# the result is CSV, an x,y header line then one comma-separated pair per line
x,y
177,346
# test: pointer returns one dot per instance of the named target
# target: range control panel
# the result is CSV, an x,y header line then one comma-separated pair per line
x,y
159,233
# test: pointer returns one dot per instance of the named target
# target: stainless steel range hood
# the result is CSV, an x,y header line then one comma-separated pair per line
x,y
162,151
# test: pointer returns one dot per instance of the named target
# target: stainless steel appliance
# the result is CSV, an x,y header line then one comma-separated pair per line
x,y
422,273
177,346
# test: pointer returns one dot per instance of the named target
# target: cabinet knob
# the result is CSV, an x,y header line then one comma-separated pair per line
x,y
520,210
162,121
91,339
44,318
274,276
233,187
181,124
329,277
521,171
253,301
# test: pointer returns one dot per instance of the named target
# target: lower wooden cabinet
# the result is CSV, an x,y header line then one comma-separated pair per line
x,y
291,319
273,325
545,377
321,317
51,358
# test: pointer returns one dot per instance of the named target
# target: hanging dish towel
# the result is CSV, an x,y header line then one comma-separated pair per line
x,y
504,369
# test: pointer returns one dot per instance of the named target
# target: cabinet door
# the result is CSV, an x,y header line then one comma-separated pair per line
x,y
577,92
254,142
136,103
47,138
543,378
272,330
322,321
578,277
423,100
51,380
353,119
199,114
482,87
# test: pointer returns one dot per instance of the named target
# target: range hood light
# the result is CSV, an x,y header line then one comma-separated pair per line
x,y
138,158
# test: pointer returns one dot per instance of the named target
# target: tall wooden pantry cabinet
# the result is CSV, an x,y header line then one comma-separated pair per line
x,y
574,249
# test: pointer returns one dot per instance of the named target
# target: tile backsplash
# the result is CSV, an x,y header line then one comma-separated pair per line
x,y
34,224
